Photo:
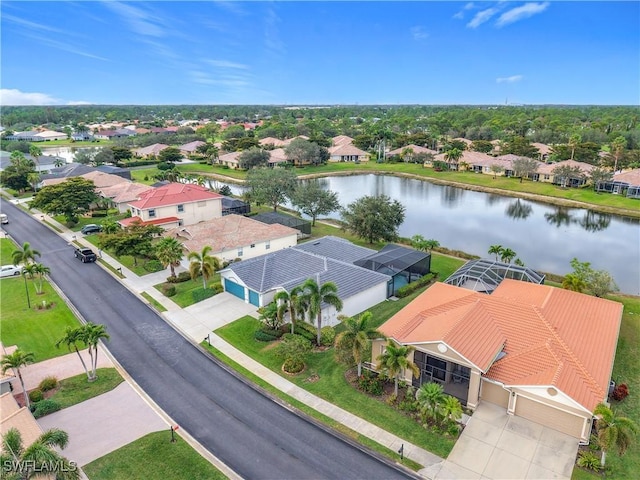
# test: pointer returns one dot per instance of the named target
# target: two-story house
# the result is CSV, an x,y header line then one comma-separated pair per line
x,y
174,205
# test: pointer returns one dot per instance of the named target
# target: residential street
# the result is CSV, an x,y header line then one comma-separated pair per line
x,y
246,430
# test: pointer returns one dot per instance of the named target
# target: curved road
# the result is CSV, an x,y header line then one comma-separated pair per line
x,y
252,434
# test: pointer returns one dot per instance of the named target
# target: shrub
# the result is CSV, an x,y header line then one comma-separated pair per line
x,y
172,279
293,350
453,429
327,335
264,336
165,166
184,277
620,392
153,266
45,407
36,395
413,286
370,383
589,460
202,294
305,330
48,383
168,290
217,287
98,214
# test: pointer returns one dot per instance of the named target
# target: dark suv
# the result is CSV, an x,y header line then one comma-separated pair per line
x,y
91,228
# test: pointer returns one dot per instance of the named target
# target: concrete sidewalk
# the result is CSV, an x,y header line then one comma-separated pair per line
x,y
198,321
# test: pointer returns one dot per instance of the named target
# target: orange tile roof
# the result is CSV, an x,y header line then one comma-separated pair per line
x,y
101,179
551,336
632,177
415,148
174,194
347,149
14,416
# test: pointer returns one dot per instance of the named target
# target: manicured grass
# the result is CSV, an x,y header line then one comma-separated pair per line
x,y
366,441
184,290
77,389
82,221
445,265
154,303
31,329
153,457
333,387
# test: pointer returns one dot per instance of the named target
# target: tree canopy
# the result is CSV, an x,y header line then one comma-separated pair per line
x,y
374,218
272,186
69,198
253,157
313,200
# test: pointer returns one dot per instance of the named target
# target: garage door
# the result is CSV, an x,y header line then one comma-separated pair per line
x,y
549,416
495,394
233,288
254,298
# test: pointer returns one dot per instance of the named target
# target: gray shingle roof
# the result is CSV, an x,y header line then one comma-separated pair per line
x,y
336,248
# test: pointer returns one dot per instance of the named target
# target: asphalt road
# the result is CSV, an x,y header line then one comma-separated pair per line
x,y
252,434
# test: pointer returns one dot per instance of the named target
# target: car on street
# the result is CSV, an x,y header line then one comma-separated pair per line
x,y
91,228
10,270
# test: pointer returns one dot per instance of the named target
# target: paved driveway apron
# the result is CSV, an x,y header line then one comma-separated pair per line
x,y
495,445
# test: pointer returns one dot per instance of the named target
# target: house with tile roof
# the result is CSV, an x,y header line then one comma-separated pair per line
x,y
121,194
235,236
190,148
539,352
149,151
13,415
623,183
230,159
328,259
413,147
545,173
276,142
173,205
347,152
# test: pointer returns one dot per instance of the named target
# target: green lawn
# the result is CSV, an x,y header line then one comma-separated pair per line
x,y
333,387
31,329
74,390
154,303
184,290
153,457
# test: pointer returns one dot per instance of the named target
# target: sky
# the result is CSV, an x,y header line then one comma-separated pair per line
x,y
319,53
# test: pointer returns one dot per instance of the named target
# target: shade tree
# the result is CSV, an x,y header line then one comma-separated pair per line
x,y
311,199
374,218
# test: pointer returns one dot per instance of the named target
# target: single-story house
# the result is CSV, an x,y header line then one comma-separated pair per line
x,y
101,179
235,236
151,150
258,279
276,142
623,183
545,173
341,140
230,159
20,418
277,157
30,136
69,170
49,135
347,152
415,148
540,352
190,148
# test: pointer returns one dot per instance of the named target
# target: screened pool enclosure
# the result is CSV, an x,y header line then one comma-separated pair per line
x,y
485,275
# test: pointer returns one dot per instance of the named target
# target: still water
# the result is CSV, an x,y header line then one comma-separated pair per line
x,y
545,237
65,152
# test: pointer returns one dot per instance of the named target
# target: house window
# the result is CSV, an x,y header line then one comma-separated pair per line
x,y
180,208
152,213
267,245
253,245
546,177
240,252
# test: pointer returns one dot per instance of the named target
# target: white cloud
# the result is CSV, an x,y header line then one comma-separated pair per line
x,y
140,21
227,64
79,102
13,96
468,6
31,25
418,33
511,79
519,13
460,14
482,17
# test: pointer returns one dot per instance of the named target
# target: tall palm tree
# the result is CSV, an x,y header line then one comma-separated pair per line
x,y
430,397
356,336
91,334
395,360
37,459
314,295
72,336
203,264
25,254
407,154
496,249
453,155
613,431
33,178
40,270
507,255
289,301
16,361
170,252
574,141
35,153
617,149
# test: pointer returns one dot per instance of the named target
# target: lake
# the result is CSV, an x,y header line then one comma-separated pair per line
x,y
545,237
65,152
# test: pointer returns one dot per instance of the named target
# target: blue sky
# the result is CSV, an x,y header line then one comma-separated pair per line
x,y
218,52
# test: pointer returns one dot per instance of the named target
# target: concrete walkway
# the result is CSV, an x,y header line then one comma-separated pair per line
x,y
198,321
104,423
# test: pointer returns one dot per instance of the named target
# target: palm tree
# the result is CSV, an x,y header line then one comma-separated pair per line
x,y
71,338
617,148
25,254
17,360
407,154
35,460
59,162
356,336
451,408
574,282
395,360
574,141
288,301
33,178
430,396
40,270
91,334
431,244
496,249
203,264
507,255
453,155
169,251
314,295
613,431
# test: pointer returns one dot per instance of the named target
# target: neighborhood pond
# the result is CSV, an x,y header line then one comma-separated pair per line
x,y
65,152
545,237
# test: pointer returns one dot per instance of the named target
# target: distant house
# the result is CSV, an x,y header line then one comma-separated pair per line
x,y
150,151
624,183
123,193
174,205
544,151
341,140
81,136
230,159
347,152
49,135
277,157
539,352
31,136
234,236
109,134
545,173
190,148
416,149
276,142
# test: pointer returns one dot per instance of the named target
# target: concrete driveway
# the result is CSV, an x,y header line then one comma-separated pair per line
x,y
204,317
495,445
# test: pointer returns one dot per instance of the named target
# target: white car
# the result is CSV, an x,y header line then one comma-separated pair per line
x,y
10,270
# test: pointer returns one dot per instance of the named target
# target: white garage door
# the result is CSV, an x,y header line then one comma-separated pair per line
x,y
549,416
495,394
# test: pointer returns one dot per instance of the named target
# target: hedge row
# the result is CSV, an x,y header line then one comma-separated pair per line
x,y
413,286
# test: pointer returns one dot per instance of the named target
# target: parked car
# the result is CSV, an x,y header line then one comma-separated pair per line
x,y
85,255
4,218
91,228
10,270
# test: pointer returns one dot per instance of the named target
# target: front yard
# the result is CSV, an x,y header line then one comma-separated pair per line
x,y
191,291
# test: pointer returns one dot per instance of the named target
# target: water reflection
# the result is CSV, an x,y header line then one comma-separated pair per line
x,y
595,221
560,218
451,196
518,210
